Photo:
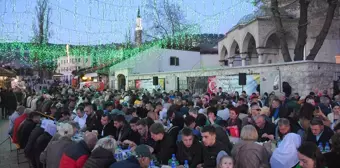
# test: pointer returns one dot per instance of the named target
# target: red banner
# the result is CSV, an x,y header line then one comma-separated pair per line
x,y
212,85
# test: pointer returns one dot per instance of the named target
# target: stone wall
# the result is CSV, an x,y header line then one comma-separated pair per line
x,y
304,77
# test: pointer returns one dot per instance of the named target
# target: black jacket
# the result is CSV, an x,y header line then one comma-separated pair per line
x,y
147,140
37,131
332,159
93,122
269,129
173,132
130,162
164,149
100,158
39,146
24,132
283,112
109,129
194,154
325,137
210,154
123,133
222,137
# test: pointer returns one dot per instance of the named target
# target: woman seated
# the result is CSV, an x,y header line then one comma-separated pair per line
x,y
286,155
249,154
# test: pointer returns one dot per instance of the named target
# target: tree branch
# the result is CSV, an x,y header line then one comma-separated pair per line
x,y
332,5
302,27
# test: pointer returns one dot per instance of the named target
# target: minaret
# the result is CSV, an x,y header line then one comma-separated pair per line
x,y
139,29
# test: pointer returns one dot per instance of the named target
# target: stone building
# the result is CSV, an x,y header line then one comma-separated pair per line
x,y
254,41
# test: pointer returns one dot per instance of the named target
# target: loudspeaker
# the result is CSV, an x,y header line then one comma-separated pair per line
x,y
242,79
155,80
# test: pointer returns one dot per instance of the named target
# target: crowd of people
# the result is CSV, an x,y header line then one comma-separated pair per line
x,y
74,128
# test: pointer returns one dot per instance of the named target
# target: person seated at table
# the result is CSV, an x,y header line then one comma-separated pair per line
x,y
42,141
189,148
141,159
310,156
266,130
81,117
332,158
254,114
247,153
165,145
26,128
286,154
92,120
123,129
51,156
135,136
234,120
212,116
102,155
191,124
17,124
75,155
36,132
177,126
18,112
283,128
211,147
65,116
107,126
318,132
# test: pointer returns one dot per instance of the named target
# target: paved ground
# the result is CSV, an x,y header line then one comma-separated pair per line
x,y
8,159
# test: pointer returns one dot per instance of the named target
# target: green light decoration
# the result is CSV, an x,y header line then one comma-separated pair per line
x,y
106,55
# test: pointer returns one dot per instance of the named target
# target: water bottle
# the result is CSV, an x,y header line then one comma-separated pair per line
x,y
327,147
320,146
119,154
186,165
152,164
173,161
128,152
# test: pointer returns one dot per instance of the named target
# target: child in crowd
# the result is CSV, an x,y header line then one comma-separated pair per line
x,y
226,162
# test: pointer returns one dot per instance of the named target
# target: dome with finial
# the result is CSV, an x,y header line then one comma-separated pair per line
x,y
138,13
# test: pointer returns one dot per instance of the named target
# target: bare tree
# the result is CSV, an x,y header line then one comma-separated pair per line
x,y
42,33
332,5
280,31
302,29
166,19
43,15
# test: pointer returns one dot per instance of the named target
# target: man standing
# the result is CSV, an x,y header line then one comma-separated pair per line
x,y
211,147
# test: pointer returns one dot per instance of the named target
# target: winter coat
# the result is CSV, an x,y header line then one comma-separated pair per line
x,y
24,132
75,155
37,131
130,162
250,155
39,147
100,158
51,156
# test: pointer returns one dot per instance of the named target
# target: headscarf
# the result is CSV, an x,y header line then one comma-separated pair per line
x,y
286,155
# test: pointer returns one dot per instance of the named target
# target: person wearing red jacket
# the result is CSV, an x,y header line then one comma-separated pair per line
x,y
17,123
76,154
